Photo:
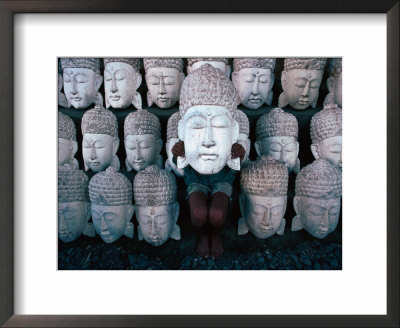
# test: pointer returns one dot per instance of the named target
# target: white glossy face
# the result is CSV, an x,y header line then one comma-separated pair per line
x,y
156,223
208,132
284,149
81,86
142,150
119,84
246,144
72,217
337,90
253,85
318,216
66,150
164,85
168,147
98,151
329,149
263,215
110,221
301,87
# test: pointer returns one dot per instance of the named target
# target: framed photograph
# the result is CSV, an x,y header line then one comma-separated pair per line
x,y
38,292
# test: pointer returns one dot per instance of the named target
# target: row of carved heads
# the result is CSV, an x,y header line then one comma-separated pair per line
x,y
276,136
253,79
108,198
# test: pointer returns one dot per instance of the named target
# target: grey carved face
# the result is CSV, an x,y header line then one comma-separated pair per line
x,y
156,223
81,86
72,217
263,215
329,149
253,85
66,150
164,85
301,87
319,217
98,151
142,150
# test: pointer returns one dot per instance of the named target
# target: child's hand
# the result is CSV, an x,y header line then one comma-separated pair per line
x,y
238,151
178,149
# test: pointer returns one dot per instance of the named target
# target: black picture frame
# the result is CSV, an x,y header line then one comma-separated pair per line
x,y
11,7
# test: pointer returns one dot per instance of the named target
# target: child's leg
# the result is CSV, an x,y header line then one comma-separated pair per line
x,y
217,216
198,215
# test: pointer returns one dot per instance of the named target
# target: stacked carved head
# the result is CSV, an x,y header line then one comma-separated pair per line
x,y
276,136
110,195
334,83
142,140
164,77
82,81
100,139
263,197
254,79
67,144
122,78
317,201
157,209
172,139
207,104
301,79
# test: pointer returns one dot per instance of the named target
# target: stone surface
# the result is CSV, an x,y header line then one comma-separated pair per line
x,y
334,83
67,144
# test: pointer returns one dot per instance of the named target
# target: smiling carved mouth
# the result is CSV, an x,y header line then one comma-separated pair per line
x,y
208,157
115,98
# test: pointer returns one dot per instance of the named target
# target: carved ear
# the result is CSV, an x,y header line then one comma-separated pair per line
x,y
137,100
149,99
235,80
242,227
296,204
139,80
235,131
98,99
85,166
283,79
107,103
182,78
68,104
130,211
281,230
297,148
282,101
74,148
315,151
99,81
257,146
115,146
314,104
128,166
176,233
129,230
181,134
115,162
296,224
272,80
330,82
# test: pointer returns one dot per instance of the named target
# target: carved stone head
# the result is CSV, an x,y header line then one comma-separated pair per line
x,y
276,136
172,139
121,80
317,200
100,139
326,134
263,197
217,62
301,79
253,79
334,83
82,81
142,140
73,204
110,195
67,144
164,77
157,209
207,127
244,130
62,100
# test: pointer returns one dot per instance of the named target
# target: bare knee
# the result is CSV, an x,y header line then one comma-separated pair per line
x,y
217,216
198,216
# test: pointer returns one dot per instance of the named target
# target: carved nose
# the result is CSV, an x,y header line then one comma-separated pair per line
x,y
138,153
162,87
208,138
93,153
103,225
256,90
267,218
114,88
283,155
325,220
61,223
306,90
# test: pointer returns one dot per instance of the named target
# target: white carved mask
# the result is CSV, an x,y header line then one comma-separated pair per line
x,y
142,150
329,149
72,217
66,150
301,87
120,83
283,149
111,222
164,85
319,217
168,147
253,85
208,132
81,86
98,151
157,223
263,215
